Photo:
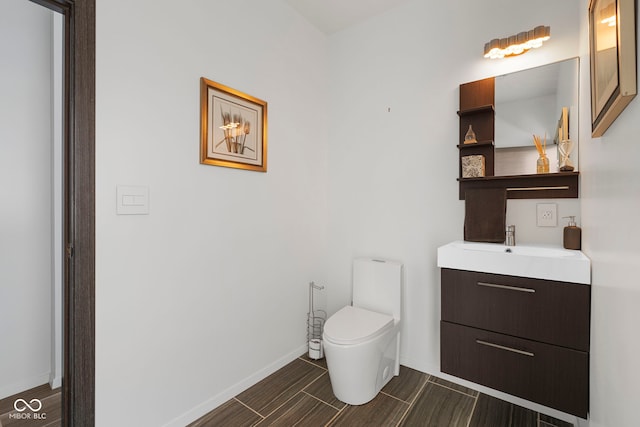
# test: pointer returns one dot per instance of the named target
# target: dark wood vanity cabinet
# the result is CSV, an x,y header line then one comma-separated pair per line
x,y
525,337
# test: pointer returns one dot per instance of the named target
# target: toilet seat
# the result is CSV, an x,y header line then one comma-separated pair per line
x,y
353,325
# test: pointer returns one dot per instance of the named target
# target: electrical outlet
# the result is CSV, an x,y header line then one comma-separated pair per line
x,y
547,214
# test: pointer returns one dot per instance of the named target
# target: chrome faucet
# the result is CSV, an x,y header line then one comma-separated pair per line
x,y
511,236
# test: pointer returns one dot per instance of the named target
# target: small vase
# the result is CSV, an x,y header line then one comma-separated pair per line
x,y
470,136
542,165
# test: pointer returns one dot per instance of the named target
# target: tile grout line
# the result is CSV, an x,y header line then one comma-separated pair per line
x,y
421,388
313,364
413,400
320,400
393,397
313,381
473,409
289,399
336,415
285,412
248,407
304,390
453,389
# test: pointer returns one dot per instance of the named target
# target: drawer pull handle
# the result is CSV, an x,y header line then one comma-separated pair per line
x,y
501,347
510,288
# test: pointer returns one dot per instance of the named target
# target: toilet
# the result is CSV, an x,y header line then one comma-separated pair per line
x,y
362,341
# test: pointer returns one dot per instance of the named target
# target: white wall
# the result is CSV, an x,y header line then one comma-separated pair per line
x,y
25,210
610,203
208,292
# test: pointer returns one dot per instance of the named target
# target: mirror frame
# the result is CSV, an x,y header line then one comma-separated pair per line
x,y
78,383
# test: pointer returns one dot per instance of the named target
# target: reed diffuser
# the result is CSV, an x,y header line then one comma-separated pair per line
x,y
542,164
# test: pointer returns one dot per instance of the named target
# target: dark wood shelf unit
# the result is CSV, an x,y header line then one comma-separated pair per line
x,y
477,111
478,94
539,186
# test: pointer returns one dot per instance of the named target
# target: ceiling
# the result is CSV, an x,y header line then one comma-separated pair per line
x,y
330,16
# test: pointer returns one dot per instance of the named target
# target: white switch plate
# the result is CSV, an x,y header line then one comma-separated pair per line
x,y
547,215
132,200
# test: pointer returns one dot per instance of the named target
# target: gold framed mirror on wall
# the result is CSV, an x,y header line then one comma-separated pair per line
x,y
612,48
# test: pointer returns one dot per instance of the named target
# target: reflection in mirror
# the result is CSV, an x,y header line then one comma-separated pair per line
x,y
531,102
31,83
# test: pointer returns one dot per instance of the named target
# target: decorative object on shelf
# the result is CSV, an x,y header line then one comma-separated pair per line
x,y
612,35
517,44
542,164
470,136
473,166
562,130
564,150
233,128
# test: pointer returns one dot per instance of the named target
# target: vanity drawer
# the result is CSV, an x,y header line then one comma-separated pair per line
x,y
553,376
541,310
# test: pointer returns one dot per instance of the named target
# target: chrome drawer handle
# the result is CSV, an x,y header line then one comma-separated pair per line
x,y
510,288
501,347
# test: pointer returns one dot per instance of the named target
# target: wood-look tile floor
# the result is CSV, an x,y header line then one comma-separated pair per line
x,y
47,413
300,394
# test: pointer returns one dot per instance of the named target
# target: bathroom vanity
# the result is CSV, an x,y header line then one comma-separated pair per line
x,y
516,319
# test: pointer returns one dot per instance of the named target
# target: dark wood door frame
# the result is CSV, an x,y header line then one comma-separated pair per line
x,y
78,383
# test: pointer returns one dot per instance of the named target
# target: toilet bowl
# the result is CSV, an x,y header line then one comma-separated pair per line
x,y
362,341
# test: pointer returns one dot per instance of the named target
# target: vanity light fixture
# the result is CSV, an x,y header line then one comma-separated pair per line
x,y
517,44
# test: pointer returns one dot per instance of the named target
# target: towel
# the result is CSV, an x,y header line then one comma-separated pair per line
x,y
485,212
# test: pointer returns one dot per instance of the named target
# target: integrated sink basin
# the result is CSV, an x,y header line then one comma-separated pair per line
x,y
539,262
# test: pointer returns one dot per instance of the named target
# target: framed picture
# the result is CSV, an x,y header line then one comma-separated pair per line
x,y
233,128
612,37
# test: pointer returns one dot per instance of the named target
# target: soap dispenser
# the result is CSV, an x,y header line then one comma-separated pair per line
x,y
572,234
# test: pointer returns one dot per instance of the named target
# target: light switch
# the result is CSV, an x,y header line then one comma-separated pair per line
x,y
132,200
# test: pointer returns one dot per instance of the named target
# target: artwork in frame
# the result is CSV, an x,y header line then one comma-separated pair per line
x,y
612,42
233,128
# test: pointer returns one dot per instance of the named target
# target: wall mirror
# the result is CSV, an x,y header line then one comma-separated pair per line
x,y
531,102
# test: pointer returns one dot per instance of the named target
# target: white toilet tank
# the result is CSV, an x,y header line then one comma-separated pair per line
x,y
377,285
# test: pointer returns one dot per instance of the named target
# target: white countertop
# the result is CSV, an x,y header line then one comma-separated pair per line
x,y
535,261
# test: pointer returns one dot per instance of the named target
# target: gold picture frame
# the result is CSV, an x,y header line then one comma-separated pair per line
x,y
233,128
612,47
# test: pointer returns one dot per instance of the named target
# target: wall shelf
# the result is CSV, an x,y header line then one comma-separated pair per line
x,y
488,108
539,186
475,144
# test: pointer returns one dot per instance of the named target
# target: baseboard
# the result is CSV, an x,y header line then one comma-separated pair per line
x,y
23,385
54,382
217,400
